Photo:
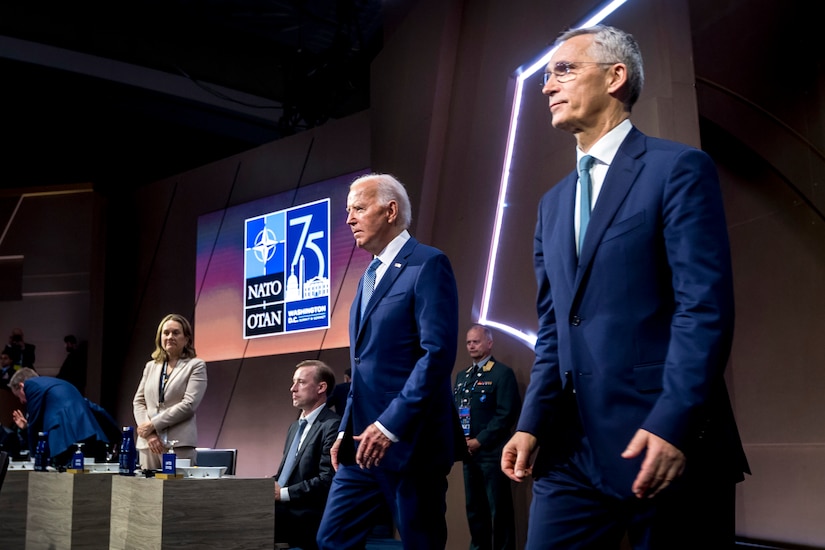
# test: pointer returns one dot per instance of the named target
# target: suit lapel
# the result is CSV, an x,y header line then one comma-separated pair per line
x,y
390,275
310,430
566,209
310,434
176,371
290,434
620,177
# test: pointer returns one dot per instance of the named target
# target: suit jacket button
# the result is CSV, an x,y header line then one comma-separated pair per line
x,y
576,320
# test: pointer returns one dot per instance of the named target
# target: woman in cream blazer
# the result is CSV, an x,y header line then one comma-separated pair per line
x,y
172,387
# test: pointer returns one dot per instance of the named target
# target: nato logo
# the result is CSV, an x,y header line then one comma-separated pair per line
x,y
286,270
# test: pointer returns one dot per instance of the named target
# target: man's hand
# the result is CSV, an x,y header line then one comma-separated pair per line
x,y
277,492
662,464
20,419
333,453
473,445
516,457
372,445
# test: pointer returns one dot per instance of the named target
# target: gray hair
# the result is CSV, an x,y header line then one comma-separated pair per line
x,y
22,375
484,329
612,45
387,189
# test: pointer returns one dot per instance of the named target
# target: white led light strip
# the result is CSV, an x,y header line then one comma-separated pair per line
x,y
521,76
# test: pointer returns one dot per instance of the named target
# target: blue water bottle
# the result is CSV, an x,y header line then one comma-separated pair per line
x,y
128,454
41,452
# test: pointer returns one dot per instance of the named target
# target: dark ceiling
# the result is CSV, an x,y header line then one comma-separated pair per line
x,y
118,94
124,93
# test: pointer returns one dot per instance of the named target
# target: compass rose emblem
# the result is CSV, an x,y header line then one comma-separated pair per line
x,y
265,243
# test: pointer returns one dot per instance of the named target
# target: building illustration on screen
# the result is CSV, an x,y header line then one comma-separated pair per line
x,y
286,270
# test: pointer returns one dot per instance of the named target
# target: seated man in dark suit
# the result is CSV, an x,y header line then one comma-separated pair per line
x,y
305,473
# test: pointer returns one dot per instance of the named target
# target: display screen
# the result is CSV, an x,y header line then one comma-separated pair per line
x,y
278,274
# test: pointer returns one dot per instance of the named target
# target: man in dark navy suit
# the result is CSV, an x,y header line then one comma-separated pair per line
x,y
302,482
627,399
399,432
57,407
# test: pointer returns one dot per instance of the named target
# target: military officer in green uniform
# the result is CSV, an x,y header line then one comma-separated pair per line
x,y
488,403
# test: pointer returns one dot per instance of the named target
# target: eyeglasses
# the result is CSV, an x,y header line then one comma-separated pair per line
x,y
563,70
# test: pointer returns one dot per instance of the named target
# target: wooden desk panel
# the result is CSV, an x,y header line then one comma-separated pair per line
x,y
68,511
13,505
202,514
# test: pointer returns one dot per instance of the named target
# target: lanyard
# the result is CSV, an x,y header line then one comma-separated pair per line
x,y
164,378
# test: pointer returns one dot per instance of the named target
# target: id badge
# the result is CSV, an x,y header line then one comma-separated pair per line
x,y
464,416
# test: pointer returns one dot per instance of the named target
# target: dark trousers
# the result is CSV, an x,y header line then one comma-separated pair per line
x,y
567,511
296,528
417,500
489,505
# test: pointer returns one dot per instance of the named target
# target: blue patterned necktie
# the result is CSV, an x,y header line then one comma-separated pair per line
x,y
584,196
292,454
369,284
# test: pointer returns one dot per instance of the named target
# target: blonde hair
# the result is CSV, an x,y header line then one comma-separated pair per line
x,y
188,351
